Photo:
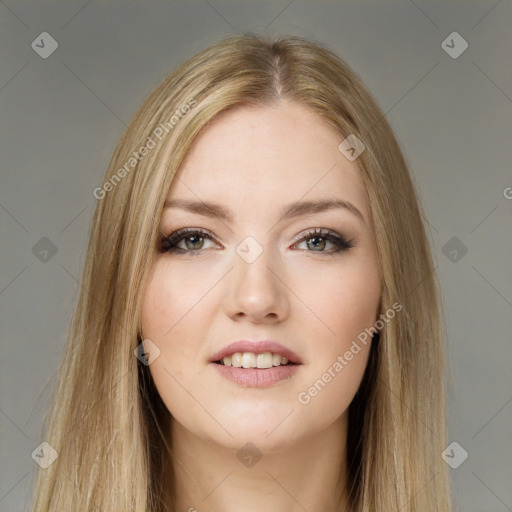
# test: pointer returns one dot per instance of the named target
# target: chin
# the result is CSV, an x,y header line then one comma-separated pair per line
x,y
244,439
267,432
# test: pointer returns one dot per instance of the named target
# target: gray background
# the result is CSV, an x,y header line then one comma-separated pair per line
x,y
62,116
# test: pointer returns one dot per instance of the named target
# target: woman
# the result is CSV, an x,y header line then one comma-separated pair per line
x,y
259,325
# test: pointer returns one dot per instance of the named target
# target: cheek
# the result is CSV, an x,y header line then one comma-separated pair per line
x,y
344,300
169,319
170,297
347,303
333,387
157,318
161,311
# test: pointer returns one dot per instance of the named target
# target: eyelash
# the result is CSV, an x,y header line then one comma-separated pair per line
x,y
169,242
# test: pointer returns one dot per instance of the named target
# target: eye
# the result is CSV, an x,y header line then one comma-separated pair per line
x,y
193,240
318,239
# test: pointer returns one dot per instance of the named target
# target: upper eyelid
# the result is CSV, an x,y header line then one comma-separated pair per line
x,y
181,233
188,230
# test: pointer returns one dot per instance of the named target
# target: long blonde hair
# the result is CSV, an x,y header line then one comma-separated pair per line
x,y
107,421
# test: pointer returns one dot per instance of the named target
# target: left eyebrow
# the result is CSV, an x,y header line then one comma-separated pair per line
x,y
309,207
209,209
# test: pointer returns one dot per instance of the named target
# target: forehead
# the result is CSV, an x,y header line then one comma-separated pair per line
x,y
260,157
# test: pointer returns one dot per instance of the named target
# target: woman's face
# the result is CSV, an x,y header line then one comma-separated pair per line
x,y
258,275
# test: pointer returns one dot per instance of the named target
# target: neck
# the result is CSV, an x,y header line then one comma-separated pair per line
x,y
307,475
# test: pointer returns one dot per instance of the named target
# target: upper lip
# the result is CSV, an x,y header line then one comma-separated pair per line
x,y
257,347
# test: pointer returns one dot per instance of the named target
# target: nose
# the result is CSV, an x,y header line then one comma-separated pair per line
x,y
256,291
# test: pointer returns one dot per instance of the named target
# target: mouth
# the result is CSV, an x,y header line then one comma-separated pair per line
x,y
261,361
259,364
261,355
252,370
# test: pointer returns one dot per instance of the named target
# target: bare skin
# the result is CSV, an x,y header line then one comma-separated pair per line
x,y
298,292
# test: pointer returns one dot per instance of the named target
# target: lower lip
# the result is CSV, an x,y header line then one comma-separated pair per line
x,y
256,377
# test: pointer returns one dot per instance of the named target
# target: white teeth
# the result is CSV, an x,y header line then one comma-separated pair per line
x,y
264,360
248,360
252,360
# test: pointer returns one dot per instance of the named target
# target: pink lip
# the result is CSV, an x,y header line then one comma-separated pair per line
x,y
258,347
256,377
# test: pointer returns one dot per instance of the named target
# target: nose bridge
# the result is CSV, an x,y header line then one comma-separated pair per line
x,y
253,264
254,288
